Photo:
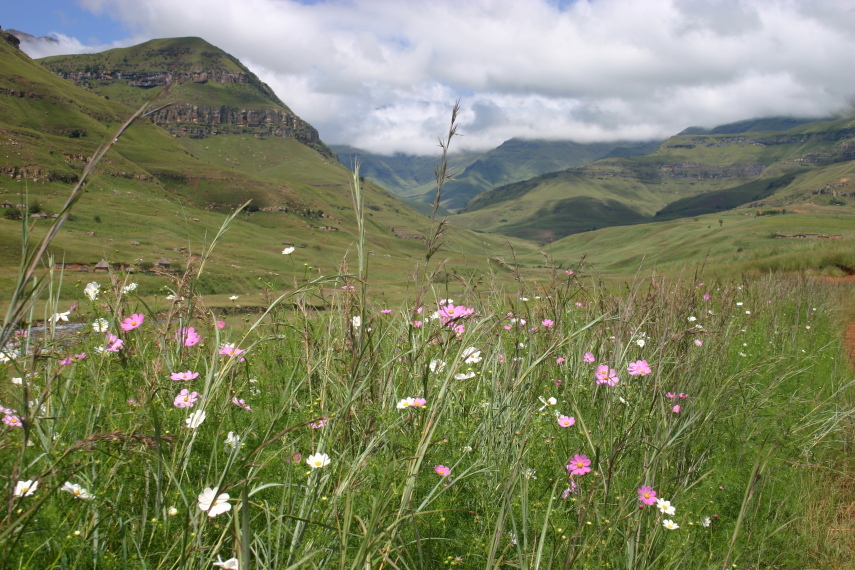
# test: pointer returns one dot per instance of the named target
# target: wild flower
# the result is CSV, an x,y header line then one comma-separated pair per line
x,y
569,272
60,317
386,311
240,403
114,343
561,360
670,395
578,304
706,296
698,342
133,322
547,322
72,359
188,336
231,563
91,290
665,507
172,511
288,251
318,424
571,490
318,460
442,470
682,395
100,325
471,355
579,465
566,421
646,495
129,287
18,381
220,324
706,522
638,368
588,358
230,350
25,488
356,321
670,525
692,319
419,402
641,342
184,376
195,419
232,440
530,474
676,409
547,402
185,399
405,403
12,421
76,490
234,297
213,503
464,375
436,366
417,324
606,375
450,312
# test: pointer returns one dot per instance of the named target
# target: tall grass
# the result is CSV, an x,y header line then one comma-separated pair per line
x,y
470,432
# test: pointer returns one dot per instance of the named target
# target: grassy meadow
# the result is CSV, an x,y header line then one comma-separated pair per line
x,y
533,427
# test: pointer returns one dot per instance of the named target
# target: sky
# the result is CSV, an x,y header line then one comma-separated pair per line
x,y
383,75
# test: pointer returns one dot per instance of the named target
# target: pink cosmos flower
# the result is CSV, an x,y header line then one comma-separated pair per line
x,y
114,343
647,495
133,322
442,470
450,312
318,424
569,272
230,350
698,342
676,409
13,421
417,324
386,311
578,304
419,403
579,465
184,376
220,324
241,404
588,358
682,396
571,490
606,375
188,336
566,421
559,360
185,399
72,359
638,368
706,296
547,322
671,395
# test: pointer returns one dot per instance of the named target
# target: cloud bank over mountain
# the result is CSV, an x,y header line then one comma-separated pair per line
x,y
384,75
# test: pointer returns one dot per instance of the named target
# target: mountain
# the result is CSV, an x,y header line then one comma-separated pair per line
x,y
211,91
474,173
809,165
163,189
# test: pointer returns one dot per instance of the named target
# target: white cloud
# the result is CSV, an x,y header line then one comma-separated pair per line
x,y
384,75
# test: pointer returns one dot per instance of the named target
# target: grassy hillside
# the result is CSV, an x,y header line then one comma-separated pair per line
x,y
157,195
690,175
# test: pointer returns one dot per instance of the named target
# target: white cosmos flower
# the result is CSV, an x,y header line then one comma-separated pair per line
x,y
405,403
231,563
288,251
233,297
212,503
101,325
706,521
464,375
91,290
640,342
129,287
665,507
356,321
195,419
670,525
76,490
60,317
233,440
318,460
18,381
472,355
436,365
25,488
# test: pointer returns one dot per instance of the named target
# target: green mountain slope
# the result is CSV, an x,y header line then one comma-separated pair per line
x,y
690,175
474,173
161,195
